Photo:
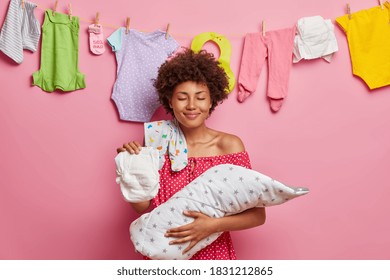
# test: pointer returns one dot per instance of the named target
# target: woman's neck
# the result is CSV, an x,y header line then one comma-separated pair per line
x,y
196,134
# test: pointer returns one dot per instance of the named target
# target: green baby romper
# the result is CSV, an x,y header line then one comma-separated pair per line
x,y
59,54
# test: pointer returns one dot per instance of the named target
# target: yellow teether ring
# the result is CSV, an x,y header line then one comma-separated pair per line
x,y
225,52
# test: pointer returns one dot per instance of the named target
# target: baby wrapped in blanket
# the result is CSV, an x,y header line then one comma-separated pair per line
x,y
222,190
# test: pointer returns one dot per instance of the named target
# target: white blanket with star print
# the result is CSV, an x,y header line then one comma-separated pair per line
x,y
224,189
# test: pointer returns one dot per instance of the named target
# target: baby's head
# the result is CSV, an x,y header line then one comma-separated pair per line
x,y
200,67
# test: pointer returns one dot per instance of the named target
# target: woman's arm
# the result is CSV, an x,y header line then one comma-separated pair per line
x,y
248,219
204,225
140,207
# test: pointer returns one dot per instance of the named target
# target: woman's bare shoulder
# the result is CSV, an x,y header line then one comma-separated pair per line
x,y
230,143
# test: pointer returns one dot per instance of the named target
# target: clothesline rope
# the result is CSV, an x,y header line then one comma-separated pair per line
x,y
145,31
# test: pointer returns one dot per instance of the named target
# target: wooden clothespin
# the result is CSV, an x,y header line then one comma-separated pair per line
x,y
70,11
349,11
55,8
97,18
381,4
263,27
23,4
166,32
127,25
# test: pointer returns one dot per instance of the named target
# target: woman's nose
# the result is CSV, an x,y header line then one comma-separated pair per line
x,y
191,104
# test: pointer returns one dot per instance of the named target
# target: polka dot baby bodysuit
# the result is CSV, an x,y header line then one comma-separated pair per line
x,y
138,57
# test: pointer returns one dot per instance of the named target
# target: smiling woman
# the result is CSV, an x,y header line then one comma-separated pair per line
x,y
190,86
201,68
191,102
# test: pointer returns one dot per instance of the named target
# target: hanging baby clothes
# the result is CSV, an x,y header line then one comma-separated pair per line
x,y
368,35
315,38
21,30
277,46
59,54
225,49
96,39
138,56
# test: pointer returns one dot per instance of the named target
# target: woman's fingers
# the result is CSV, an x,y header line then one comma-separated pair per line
x,y
193,242
181,240
133,147
189,247
177,234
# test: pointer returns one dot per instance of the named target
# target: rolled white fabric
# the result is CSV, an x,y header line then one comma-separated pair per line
x,y
138,175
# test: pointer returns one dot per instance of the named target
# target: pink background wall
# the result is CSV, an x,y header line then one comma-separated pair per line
x,y
58,196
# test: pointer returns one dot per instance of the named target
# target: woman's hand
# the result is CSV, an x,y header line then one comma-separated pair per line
x,y
133,147
202,227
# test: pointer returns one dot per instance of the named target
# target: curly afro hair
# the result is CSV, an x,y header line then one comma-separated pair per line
x,y
200,67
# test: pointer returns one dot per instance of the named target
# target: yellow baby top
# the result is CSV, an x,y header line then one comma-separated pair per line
x,y
368,35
